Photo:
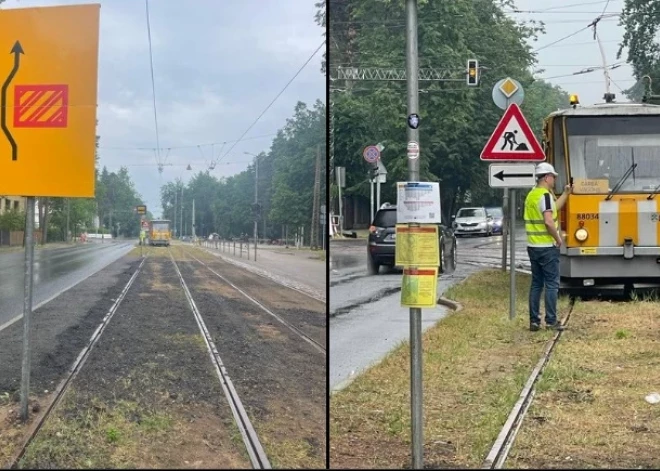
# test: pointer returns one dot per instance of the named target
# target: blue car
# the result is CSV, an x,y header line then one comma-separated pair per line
x,y
498,218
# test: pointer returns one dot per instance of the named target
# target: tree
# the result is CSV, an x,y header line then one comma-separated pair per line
x,y
641,20
455,120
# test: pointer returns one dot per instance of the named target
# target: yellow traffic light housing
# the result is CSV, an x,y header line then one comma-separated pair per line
x,y
473,73
574,100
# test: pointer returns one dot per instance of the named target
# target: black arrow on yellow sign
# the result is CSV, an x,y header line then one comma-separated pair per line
x,y
17,50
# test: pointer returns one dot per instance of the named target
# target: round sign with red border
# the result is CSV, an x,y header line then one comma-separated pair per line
x,y
371,154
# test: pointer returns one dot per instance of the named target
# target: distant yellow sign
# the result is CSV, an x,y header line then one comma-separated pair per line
x,y
419,287
48,72
590,186
141,209
417,246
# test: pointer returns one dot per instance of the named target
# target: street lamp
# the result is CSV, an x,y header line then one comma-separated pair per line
x,y
256,197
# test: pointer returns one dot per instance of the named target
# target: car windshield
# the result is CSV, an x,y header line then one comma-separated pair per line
x,y
471,213
385,218
603,149
160,226
495,212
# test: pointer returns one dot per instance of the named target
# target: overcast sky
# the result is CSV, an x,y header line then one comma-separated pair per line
x,y
217,65
579,51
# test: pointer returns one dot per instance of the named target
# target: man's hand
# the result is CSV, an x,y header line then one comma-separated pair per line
x,y
568,189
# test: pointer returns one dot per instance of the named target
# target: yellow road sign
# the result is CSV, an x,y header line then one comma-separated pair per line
x,y
48,75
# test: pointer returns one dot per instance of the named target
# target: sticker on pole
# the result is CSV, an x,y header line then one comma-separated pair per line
x,y
371,154
413,150
513,139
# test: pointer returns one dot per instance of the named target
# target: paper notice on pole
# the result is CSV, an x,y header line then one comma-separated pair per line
x,y
418,202
417,246
419,287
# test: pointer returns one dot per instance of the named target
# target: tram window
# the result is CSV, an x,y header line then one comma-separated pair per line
x,y
608,157
559,157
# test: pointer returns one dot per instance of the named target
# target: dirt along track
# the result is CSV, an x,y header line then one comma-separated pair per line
x,y
280,377
149,395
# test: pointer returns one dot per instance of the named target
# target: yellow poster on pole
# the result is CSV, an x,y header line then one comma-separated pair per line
x,y
417,246
419,287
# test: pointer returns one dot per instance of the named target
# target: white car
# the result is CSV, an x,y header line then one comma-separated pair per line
x,y
472,221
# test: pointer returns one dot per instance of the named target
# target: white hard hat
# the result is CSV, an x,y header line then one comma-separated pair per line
x,y
544,168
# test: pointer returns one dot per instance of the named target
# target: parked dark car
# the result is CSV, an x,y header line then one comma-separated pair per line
x,y
382,239
498,218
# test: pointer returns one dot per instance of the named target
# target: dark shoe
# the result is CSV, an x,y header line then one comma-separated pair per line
x,y
556,326
534,327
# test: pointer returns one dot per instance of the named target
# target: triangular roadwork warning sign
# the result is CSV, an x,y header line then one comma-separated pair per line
x,y
513,139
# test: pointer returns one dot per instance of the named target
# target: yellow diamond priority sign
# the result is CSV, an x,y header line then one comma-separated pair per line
x,y
508,87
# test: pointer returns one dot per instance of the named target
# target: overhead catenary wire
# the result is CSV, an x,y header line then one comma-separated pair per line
x,y
272,102
153,85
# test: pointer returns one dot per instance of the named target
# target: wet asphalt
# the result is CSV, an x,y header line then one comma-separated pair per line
x,y
55,270
366,317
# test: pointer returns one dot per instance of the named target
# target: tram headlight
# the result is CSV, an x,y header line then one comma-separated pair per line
x,y
581,234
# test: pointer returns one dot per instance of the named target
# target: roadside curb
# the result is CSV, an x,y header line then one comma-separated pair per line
x,y
455,306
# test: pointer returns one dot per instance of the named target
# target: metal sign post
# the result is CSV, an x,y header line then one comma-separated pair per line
x,y
341,182
416,399
512,268
27,305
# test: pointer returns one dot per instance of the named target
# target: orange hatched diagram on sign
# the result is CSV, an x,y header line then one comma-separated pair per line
x,y
48,79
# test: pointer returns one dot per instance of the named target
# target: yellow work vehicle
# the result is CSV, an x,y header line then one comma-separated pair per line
x,y
611,221
159,232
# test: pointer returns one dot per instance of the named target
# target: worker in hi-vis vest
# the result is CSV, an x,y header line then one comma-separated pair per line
x,y
543,242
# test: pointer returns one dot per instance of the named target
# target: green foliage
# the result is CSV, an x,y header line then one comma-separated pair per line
x,y
456,121
285,185
12,220
641,20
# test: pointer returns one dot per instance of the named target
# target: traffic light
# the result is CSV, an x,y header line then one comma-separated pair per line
x,y
472,72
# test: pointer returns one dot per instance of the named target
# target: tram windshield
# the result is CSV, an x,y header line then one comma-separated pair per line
x,y
161,226
602,149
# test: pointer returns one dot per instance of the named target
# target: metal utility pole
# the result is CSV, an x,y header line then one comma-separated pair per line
x,y
181,218
256,198
412,85
314,240
193,220
175,198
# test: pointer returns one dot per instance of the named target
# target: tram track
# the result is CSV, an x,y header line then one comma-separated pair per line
x,y
297,331
73,371
500,450
253,446
279,377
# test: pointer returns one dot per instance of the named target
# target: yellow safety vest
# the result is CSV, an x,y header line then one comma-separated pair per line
x,y
537,233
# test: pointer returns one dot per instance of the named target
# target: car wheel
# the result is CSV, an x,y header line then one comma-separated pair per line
x,y
373,267
441,268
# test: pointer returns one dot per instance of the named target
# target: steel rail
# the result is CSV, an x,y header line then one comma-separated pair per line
x,y
73,370
318,346
253,446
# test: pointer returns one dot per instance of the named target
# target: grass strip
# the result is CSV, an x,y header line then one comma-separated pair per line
x,y
475,363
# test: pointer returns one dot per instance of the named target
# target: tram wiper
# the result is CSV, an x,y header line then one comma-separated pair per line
x,y
620,182
653,193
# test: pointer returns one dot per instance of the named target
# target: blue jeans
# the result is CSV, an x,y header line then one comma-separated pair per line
x,y
545,272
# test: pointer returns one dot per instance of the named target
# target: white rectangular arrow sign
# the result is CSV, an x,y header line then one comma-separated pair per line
x,y
511,175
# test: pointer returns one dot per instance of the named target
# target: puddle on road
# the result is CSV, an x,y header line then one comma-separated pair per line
x,y
342,261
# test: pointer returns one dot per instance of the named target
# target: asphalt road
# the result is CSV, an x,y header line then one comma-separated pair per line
x,y
55,271
366,317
